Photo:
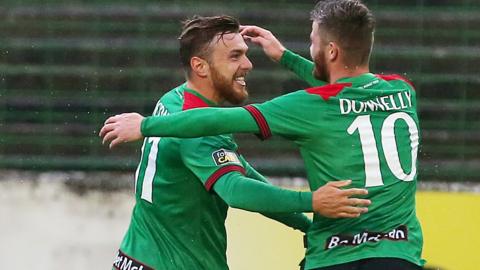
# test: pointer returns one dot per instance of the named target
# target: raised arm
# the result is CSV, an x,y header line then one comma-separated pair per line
x,y
274,49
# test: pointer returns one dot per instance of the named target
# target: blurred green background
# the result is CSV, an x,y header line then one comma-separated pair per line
x,y
65,66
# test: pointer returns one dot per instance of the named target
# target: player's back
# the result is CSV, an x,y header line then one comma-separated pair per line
x,y
364,129
176,222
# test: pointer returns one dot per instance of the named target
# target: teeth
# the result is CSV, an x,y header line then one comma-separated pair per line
x,y
241,81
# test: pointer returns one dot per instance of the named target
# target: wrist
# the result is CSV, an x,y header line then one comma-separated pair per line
x,y
307,197
143,127
279,55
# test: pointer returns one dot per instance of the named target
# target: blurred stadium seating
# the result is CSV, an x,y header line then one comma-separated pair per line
x,y
67,65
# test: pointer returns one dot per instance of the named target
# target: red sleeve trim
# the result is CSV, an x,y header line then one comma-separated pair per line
x,y
265,131
393,77
221,172
327,91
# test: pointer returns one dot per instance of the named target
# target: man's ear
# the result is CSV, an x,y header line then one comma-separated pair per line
x,y
199,66
333,51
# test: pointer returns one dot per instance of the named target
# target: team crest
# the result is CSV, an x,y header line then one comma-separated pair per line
x,y
223,156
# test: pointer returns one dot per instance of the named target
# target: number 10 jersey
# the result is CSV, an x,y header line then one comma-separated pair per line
x,y
365,129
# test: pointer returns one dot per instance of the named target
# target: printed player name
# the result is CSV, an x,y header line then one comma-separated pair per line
x,y
398,101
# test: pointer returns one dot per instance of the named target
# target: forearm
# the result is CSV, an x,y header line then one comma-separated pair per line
x,y
241,192
297,221
199,123
301,66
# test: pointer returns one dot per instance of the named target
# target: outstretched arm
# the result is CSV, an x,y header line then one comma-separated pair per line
x,y
193,123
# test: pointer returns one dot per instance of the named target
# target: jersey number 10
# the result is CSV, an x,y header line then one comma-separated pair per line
x,y
373,176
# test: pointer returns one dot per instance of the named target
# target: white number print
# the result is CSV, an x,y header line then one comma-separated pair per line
x,y
373,176
149,175
150,170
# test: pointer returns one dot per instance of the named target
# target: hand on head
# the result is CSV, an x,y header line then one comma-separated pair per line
x,y
265,39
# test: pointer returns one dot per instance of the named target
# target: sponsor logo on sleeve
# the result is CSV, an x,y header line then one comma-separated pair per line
x,y
398,234
123,262
223,156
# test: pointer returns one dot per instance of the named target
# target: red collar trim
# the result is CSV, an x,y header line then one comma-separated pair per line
x,y
191,101
329,90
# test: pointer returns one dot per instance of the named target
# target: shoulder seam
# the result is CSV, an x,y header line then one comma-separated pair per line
x,y
329,90
392,77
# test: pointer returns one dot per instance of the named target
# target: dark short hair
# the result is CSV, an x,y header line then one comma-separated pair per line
x,y
198,32
350,24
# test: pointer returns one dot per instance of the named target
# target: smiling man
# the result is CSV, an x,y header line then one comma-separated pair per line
x,y
374,142
184,186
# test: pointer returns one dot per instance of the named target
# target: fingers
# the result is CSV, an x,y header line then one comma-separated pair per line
x,y
251,30
353,210
115,142
105,129
339,184
359,202
112,119
347,215
109,136
256,40
355,191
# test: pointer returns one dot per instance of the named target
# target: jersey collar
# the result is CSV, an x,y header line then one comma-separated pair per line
x,y
193,99
359,80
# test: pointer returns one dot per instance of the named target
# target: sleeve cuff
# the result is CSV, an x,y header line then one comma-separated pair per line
x,y
143,127
288,57
307,198
263,126
221,172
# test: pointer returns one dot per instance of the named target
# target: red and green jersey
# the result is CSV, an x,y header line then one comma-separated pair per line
x,y
178,219
176,223
363,128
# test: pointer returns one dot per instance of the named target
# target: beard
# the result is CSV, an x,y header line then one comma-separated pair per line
x,y
226,87
321,72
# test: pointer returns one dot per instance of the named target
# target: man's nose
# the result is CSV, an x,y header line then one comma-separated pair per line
x,y
247,64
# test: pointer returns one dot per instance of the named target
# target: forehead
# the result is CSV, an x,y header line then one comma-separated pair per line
x,y
229,42
315,28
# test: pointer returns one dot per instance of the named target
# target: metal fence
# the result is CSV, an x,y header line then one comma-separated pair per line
x,y
67,65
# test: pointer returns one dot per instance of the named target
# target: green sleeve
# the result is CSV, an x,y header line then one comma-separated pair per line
x,y
297,221
200,122
292,116
301,66
215,162
245,193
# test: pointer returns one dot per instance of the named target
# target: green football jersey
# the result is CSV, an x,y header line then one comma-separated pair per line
x,y
365,129
176,223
